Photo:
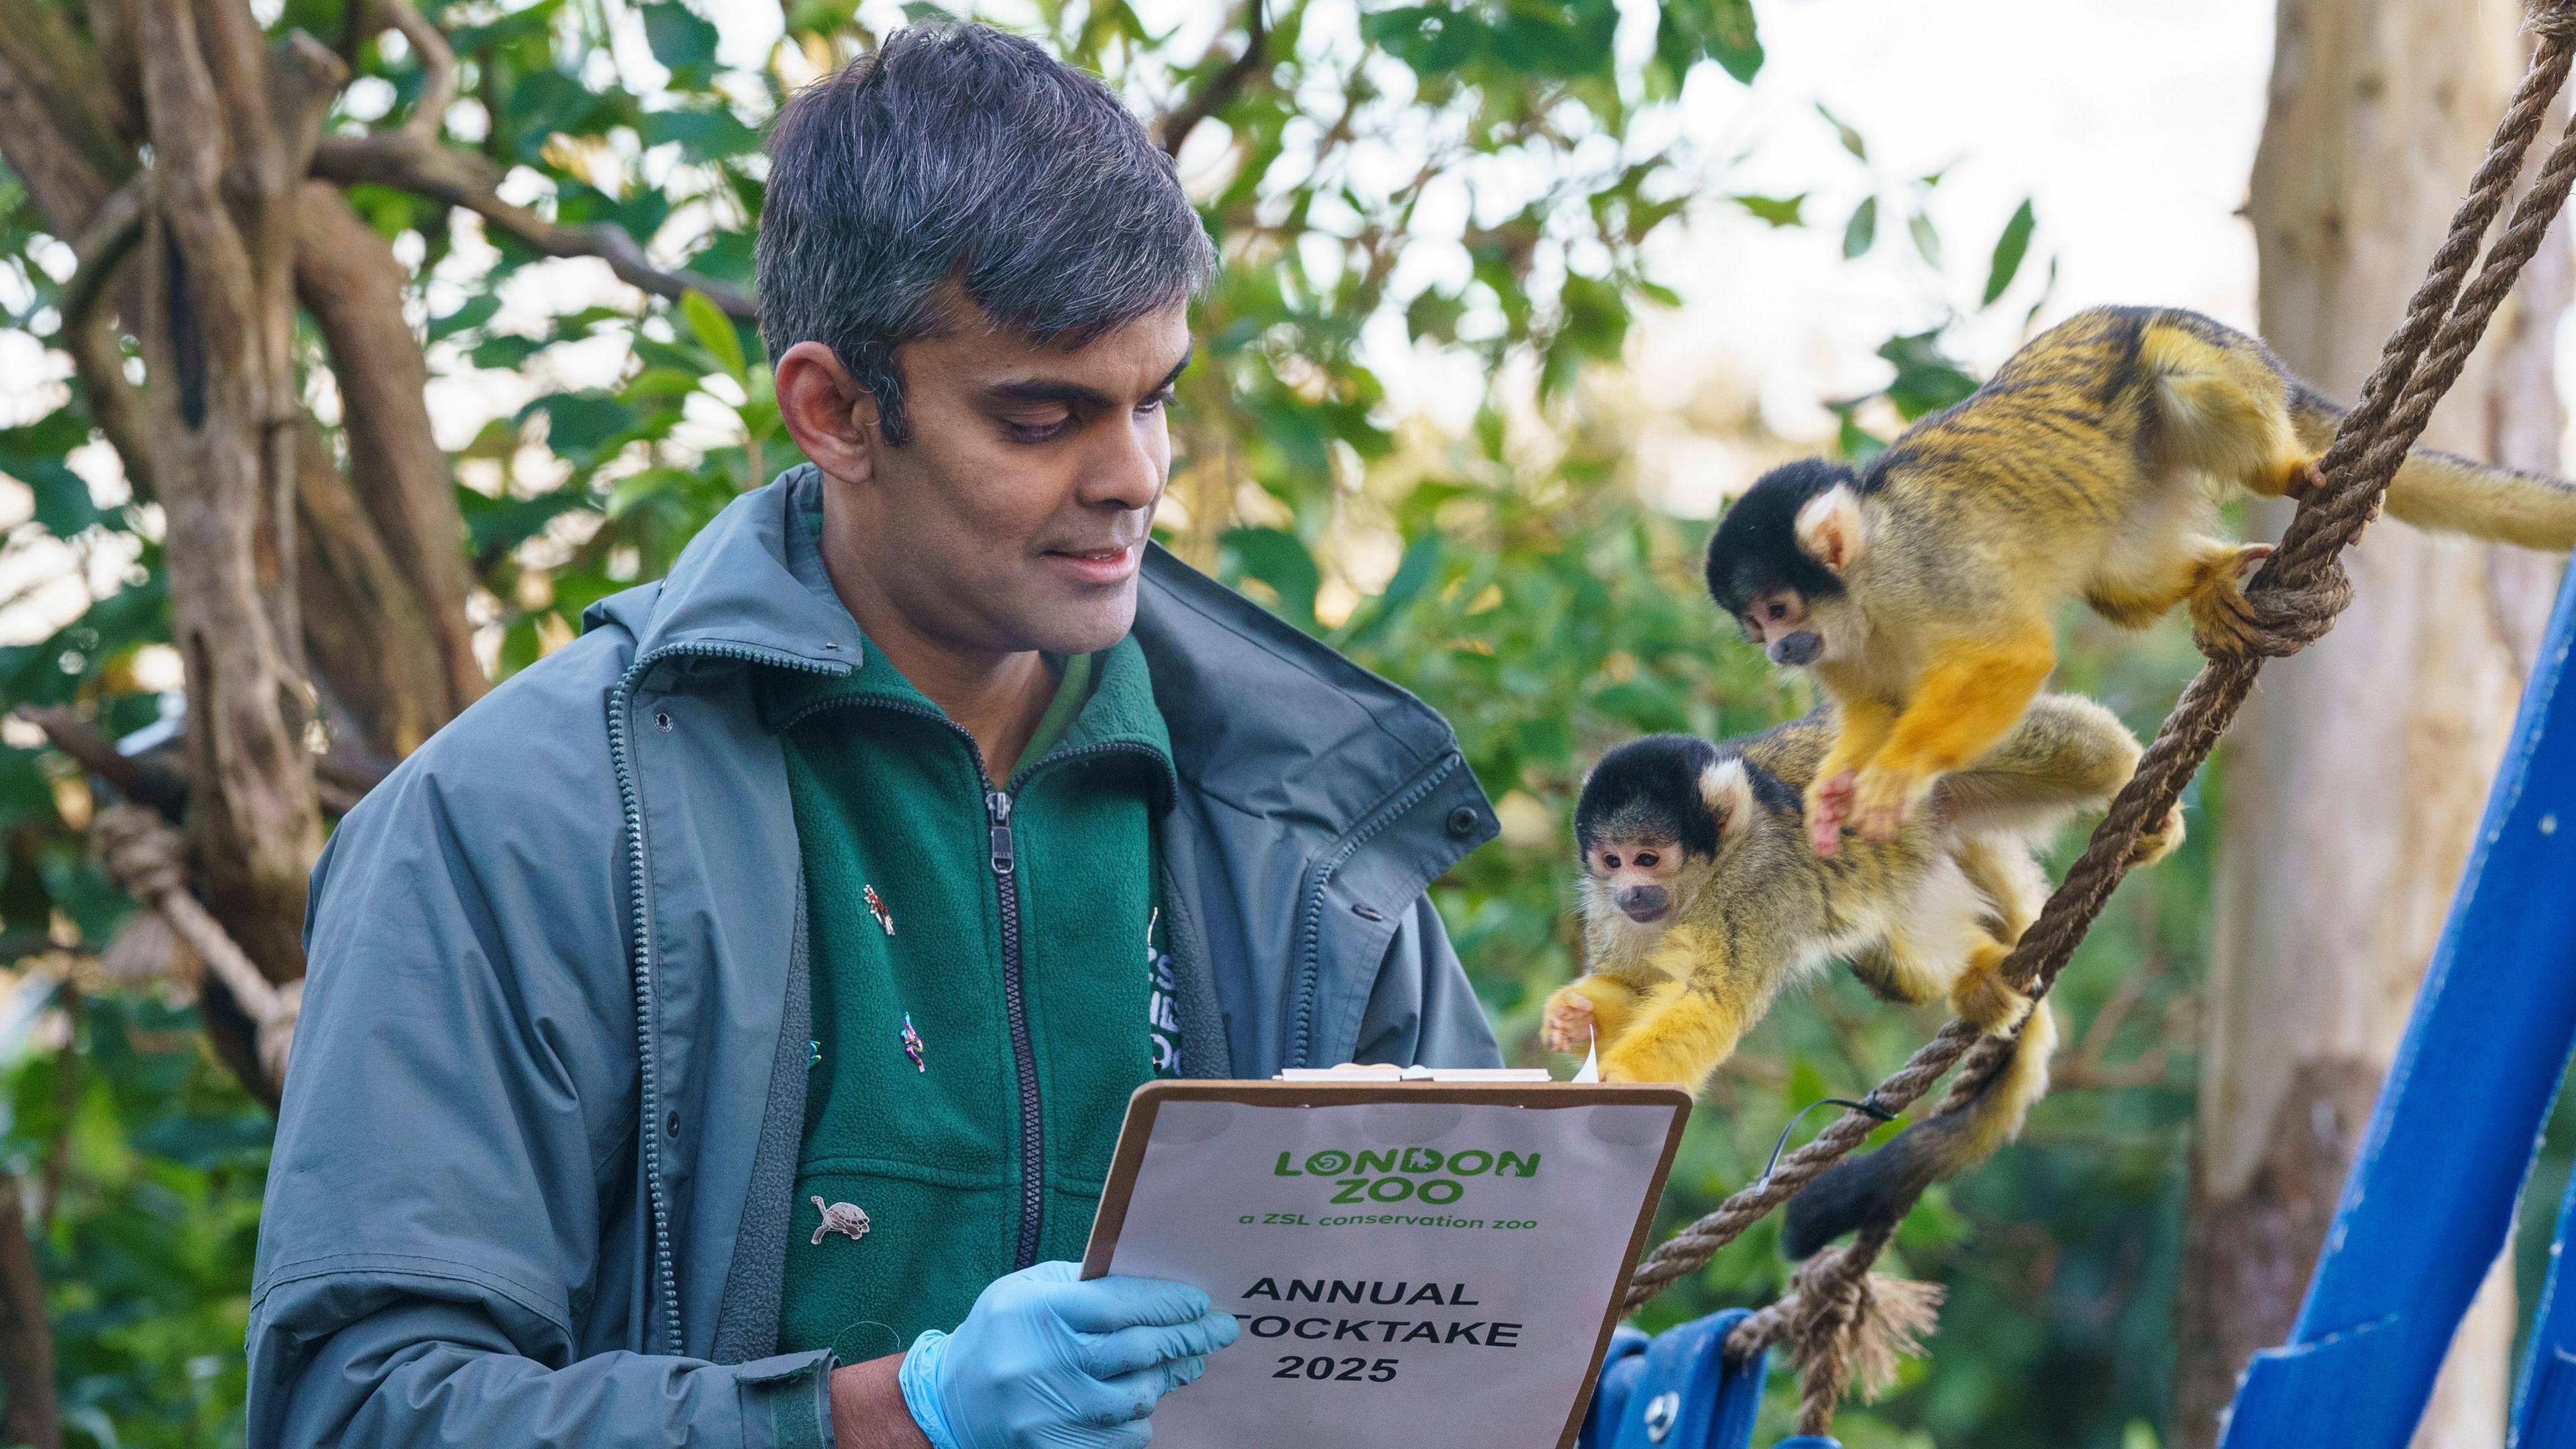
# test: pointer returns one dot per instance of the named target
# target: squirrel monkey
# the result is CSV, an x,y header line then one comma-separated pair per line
x,y
1920,589
1701,899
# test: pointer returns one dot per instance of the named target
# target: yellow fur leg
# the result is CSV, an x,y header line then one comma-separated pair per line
x,y
1961,707
1680,1036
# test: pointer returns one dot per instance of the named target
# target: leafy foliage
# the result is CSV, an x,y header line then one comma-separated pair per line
x,y
1466,175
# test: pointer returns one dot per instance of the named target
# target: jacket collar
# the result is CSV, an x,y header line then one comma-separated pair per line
x,y
1262,717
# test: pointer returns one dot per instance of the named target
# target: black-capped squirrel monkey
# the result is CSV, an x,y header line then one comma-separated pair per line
x,y
1701,898
1921,589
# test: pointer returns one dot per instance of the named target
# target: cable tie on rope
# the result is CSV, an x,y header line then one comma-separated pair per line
x,y
1867,1106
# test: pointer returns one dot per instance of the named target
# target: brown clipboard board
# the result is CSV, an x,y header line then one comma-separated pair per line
x,y
1147,1100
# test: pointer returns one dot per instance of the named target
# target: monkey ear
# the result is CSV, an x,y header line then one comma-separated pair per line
x,y
1829,528
1729,797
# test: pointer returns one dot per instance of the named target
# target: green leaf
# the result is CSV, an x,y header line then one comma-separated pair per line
x,y
473,313
2010,248
1277,558
1850,138
1927,240
683,41
1732,40
1926,379
714,331
1861,232
1777,210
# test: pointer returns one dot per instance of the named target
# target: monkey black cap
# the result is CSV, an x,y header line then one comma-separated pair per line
x,y
1648,789
1755,549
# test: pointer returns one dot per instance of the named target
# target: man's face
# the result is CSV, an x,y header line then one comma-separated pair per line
x,y
1015,517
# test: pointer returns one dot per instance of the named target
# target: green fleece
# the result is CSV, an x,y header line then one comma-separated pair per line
x,y
890,798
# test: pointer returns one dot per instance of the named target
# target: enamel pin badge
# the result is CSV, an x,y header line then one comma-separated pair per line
x,y
845,1218
912,1044
877,908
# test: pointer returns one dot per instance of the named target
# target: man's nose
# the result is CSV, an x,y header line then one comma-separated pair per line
x,y
1128,470
1643,902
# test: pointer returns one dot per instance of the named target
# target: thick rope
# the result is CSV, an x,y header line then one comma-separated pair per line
x,y
2296,596
149,862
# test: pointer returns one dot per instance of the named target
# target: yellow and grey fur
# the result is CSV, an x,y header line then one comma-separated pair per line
x,y
2091,466
1928,915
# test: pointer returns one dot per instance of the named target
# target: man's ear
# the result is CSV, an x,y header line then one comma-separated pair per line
x,y
1830,529
832,418
1729,798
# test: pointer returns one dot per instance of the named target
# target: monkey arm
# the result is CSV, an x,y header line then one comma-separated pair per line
x,y
1862,727
1961,707
1605,1003
1688,1024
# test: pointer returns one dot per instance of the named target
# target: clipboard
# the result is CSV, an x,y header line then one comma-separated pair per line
x,y
1372,1236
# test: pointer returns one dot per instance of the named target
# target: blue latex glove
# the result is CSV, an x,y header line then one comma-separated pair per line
x,y
1046,1361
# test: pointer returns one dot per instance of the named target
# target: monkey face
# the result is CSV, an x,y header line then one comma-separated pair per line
x,y
1778,559
1640,877
1782,624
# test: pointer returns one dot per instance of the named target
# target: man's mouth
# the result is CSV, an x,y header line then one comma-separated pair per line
x,y
1111,565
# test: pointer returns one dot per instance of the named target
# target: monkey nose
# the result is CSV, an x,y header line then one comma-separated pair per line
x,y
1799,648
1644,904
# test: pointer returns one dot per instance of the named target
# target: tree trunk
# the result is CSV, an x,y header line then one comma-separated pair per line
x,y
32,1416
2355,776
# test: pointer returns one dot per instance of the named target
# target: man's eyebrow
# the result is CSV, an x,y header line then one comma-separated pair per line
x,y
1073,394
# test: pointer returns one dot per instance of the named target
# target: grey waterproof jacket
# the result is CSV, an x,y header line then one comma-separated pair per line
x,y
532,1173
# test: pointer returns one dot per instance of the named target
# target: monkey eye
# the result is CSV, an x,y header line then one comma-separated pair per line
x,y
1609,862
1646,859
1778,610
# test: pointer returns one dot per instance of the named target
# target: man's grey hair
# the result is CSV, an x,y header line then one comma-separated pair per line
x,y
961,151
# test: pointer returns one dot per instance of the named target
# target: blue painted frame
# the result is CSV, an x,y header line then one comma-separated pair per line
x,y
2431,1197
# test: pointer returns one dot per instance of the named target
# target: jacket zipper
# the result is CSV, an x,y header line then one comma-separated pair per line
x,y
1024,1059
1015,1006
1310,964
648,1102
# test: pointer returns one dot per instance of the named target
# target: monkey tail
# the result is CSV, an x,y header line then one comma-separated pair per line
x,y
1876,1188
2441,490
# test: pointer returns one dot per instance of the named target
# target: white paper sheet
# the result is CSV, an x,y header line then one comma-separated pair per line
x,y
1409,1275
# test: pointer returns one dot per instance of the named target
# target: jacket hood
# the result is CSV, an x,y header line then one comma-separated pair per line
x,y
1263,718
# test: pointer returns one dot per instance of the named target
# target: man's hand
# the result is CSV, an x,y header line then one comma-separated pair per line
x,y
1046,1361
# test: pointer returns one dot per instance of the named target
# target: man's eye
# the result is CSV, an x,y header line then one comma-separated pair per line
x,y
1645,860
1040,430
1156,403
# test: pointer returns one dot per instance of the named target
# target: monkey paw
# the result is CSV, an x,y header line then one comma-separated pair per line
x,y
1989,1003
2305,477
1566,1024
2220,613
2158,843
1829,807
1880,799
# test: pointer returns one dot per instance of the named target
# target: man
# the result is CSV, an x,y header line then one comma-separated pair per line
x,y
718,1033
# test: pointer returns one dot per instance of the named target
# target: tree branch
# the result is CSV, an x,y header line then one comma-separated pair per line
x,y
32,1416
140,781
1222,87
353,285
115,404
461,178
437,68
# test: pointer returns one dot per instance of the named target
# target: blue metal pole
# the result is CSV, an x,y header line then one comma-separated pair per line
x,y
2544,1411
2432,1196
